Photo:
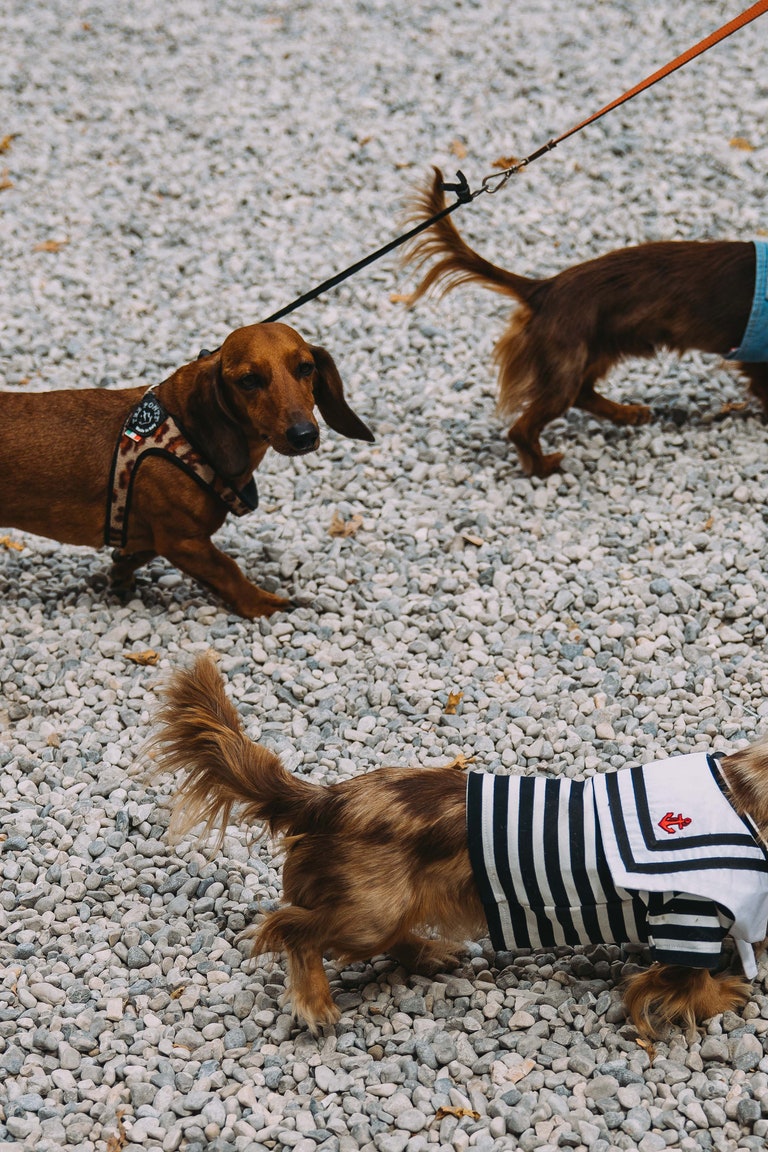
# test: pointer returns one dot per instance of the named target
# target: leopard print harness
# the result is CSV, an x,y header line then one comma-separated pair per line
x,y
150,430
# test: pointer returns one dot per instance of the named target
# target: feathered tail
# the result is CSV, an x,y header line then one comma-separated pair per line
x,y
200,732
457,263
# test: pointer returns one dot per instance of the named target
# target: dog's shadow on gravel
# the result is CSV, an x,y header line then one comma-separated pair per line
x,y
485,446
55,584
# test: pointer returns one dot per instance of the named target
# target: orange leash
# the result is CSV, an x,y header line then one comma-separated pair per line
x,y
497,181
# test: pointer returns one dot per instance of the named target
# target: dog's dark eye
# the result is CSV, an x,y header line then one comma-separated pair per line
x,y
305,369
251,382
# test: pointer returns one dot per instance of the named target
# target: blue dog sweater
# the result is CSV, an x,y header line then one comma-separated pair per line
x,y
754,342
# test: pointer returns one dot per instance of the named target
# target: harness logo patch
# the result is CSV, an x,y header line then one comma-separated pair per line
x,y
671,824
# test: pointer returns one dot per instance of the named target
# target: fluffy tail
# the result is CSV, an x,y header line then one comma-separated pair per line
x,y
200,732
457,263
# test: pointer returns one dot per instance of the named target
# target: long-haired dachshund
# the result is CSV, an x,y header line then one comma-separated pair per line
x,y
373,863
570,329
154,472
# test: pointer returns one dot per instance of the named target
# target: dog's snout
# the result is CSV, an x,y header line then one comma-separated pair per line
x,y
303,436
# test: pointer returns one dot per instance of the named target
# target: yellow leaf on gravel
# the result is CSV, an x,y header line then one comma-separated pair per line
x,y
8,543
50,245
733,406
454,699
340,527
143,658
119,1139
459,1113
742,144
505,162
459,149
459,762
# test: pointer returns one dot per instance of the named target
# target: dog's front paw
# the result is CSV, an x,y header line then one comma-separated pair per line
x,y
123,590
635,414
260,603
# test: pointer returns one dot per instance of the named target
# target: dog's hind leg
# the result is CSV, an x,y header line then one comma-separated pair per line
x,y
420,954
300,934
598,405
539,380
525,438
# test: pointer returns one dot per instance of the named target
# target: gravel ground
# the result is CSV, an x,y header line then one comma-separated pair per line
x,y
179,170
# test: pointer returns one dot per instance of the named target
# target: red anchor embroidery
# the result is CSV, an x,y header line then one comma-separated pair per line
x,y
671,823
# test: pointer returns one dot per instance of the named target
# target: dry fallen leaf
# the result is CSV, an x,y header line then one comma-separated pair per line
x,y
177,992
118,1139
459,762
708,523
401,297
340,527
5,182
459,1113
143,658
505,162
50,245
7,543
459,149
6,141
742,144
454,699
733,406
648,1046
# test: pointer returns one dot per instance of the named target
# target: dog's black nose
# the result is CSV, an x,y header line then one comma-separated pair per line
x,y
302,436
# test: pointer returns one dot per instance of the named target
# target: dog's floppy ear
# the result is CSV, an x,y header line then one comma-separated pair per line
x,y
208,421
329,397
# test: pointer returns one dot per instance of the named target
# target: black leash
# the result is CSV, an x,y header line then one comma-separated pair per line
x,y
464,194
497,180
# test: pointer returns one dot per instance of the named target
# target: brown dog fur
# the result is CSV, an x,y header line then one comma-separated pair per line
x,y
56,452
374,862
571,329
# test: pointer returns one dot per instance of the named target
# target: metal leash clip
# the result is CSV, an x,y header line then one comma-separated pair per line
x,y
461,188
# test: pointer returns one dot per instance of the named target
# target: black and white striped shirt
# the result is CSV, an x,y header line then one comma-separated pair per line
x,y
618,858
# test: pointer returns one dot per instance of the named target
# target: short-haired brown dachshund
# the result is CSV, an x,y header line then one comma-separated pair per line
x,y
155,471
373,862
570,329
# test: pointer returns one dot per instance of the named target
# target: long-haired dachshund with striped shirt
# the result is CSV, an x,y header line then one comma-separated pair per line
x,y
411,861
569,330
